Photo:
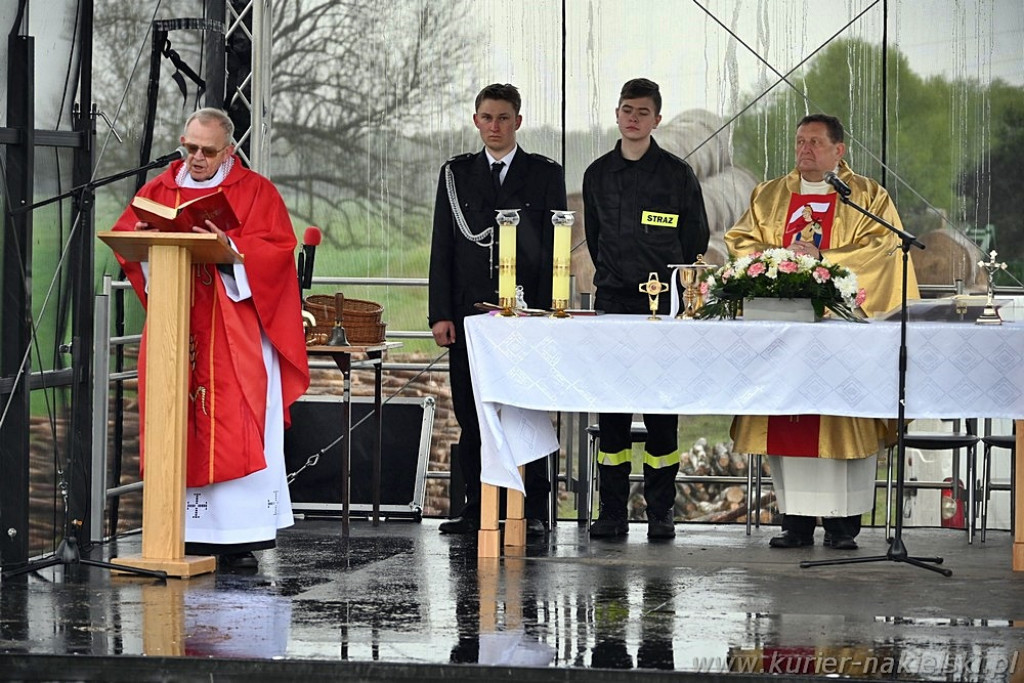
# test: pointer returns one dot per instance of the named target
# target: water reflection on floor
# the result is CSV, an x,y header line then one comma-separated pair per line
x,y
713,601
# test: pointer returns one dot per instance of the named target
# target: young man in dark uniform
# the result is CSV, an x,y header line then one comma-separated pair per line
x,y
464,268
643,211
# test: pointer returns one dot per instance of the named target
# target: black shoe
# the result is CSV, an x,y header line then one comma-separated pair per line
x,y
660,525
536,528
235,561
790,540
460,525
607,527
840,542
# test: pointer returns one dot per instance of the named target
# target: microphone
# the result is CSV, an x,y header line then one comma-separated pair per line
x,y
310,239
179,153
842,189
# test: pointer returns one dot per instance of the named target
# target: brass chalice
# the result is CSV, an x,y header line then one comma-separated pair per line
x,y
691,275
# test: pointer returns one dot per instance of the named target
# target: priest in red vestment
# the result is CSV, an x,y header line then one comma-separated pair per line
x,y
247,351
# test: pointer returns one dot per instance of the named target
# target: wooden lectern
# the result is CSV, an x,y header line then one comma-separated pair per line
x,y
170,257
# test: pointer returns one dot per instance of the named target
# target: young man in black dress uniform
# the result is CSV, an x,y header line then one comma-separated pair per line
x,y
464,268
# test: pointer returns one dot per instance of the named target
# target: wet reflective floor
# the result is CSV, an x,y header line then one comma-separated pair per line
x,y
402,602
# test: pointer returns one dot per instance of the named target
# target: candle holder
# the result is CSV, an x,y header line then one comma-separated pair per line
x,y
507,220
990,316
561,261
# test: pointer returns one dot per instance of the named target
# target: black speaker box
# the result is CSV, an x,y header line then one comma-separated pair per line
x,y
312,448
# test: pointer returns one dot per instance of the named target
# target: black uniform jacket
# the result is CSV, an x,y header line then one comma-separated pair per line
x,y
625,250
461,272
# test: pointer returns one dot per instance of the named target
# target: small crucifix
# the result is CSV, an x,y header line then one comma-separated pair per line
x,y
990,316
652,288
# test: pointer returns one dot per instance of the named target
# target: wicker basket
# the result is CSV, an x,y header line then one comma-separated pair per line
x,y
361,319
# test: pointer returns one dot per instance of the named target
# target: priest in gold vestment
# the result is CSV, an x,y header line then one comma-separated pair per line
x,y
823,465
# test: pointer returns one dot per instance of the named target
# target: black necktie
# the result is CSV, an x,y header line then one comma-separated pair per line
x,y
496,174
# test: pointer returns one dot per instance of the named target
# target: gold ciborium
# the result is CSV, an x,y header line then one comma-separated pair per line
x,y
691,275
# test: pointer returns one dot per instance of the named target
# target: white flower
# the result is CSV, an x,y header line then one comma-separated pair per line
x,y
742,263
807,263
775,255
847,286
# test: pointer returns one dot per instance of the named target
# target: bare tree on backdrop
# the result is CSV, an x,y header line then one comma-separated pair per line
x,y
354,83
122,44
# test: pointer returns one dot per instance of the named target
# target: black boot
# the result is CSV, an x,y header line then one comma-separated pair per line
x,y
614,492
660,493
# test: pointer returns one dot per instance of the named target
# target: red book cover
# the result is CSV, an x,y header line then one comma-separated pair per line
x,y
213,207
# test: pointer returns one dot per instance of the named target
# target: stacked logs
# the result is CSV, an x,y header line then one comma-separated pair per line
x,y
711,501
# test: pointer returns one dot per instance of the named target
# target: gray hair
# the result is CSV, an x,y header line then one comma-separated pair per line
x,y
212,114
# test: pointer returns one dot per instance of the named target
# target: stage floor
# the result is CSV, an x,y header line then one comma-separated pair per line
x,y
402,602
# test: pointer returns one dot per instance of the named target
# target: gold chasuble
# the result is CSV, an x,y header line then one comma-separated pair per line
x,y
781,212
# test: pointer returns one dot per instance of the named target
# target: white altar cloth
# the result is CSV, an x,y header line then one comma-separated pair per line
x,y
524,368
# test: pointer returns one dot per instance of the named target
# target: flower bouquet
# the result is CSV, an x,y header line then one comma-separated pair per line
x,y
781,274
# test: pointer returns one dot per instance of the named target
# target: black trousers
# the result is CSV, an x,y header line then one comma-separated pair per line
x,y
662,430
835,526
536,480
662,433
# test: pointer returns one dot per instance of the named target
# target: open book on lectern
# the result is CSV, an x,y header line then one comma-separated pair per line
x,y
213,207
961,308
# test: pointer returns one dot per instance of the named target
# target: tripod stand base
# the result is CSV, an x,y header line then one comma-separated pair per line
x,y
182,568
68,554
897,553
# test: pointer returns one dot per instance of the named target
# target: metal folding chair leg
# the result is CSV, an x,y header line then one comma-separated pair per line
x,y
1007,442
986,476
754,491
637,434
592,446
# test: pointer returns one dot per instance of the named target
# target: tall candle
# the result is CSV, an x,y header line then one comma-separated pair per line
x,y
506,262
562,222
560,274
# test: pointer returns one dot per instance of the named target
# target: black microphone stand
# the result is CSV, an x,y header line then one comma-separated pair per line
x,y
83,193
68,552
897,549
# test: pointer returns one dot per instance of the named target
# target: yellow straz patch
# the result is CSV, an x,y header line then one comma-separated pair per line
x,y
664,220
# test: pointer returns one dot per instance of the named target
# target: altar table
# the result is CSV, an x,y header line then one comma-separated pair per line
x,y
525,367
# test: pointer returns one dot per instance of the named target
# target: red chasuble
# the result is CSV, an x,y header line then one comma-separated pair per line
x,y
227,380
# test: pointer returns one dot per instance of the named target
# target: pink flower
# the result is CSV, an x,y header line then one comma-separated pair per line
x,y
861,297
755,269
704,288
821,274
788,267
